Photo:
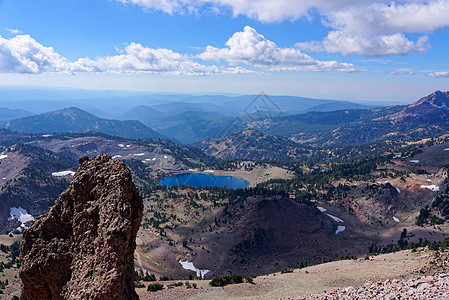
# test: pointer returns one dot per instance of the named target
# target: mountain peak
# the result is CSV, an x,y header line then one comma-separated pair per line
x,y
71,111
437,99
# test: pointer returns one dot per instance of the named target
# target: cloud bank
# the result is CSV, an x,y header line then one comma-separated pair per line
x,y
356,27
439,74
246,52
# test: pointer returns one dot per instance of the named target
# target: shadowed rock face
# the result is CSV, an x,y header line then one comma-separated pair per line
x,y
83,248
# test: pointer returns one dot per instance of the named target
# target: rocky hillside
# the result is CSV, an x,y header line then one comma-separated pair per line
x,y
430,110
35,169
74,119
27,183
243,232
254,145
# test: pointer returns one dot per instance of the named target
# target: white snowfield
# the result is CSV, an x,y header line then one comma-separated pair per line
x,y
432,187
63,173
189,266
139,154
3,156
20,214
416,161
338,220
116,156
395,219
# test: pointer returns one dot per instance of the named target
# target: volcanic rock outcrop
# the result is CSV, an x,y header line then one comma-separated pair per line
x,y
83,248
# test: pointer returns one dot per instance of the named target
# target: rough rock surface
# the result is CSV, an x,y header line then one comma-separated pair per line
x,y
428,287
83,248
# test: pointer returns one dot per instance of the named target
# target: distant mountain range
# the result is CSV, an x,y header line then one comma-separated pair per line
x,y
74,119
186,121
191,122
426,117
182,117
113,104
7,114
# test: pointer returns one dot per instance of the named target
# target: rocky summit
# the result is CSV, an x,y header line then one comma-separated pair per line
x,y
83,248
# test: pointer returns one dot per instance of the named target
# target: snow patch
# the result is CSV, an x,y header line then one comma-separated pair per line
x,y
186,265
208,171
3,156
154,158
399,191
116,156
20,214
416,161
432,187
395,219
340,229
46,135
139,154
443,105
447,149
63,173
121,145
321,209
165,156
335,218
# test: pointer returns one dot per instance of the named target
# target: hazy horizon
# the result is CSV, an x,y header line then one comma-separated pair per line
x,y
28,92
377,51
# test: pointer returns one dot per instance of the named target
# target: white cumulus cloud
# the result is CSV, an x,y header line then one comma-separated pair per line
x,y
387,17
378,29
379,45
22,54
248,47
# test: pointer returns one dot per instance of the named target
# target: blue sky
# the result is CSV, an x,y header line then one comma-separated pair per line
x,y
346,49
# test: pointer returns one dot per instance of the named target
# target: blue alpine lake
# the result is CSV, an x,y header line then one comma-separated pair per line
x,y
205,180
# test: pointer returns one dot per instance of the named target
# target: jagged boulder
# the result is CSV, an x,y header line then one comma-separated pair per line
x,y
83,248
